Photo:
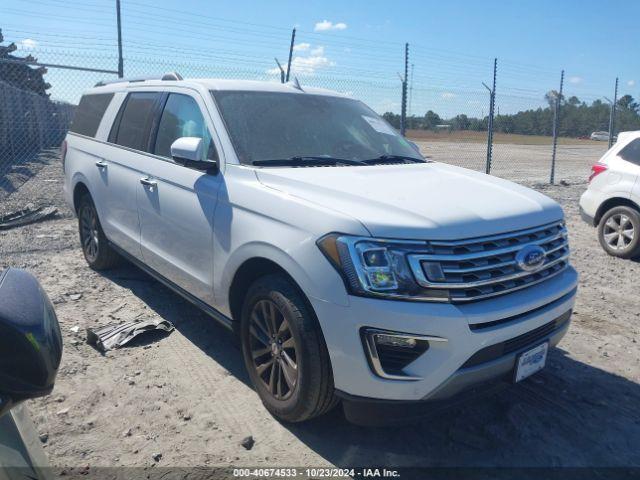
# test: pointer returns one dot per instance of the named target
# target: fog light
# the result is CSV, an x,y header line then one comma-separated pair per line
x,y
395,341
390,352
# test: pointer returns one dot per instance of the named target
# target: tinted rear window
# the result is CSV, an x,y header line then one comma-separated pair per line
x,y
136,119
89,113
631,153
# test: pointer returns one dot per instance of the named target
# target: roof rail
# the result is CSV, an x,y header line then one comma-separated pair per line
x,y
167,76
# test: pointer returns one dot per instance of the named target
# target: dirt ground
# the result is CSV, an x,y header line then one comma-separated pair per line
x,y
187,397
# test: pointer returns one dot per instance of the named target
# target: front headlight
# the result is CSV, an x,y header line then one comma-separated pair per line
x,y
378,268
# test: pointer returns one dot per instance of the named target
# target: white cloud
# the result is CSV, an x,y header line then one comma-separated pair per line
x,y
309,65
326,25
631,83
273,71
575,80
448,95
28,44
306,62
301,46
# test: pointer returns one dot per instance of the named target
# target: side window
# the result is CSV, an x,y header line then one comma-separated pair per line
x,y
631,153
133,131
182,118
89,113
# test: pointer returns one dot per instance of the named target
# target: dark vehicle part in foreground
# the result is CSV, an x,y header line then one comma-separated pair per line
x,y
30,353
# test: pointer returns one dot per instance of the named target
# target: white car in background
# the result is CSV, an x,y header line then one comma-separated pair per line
x,y
600,136
612,201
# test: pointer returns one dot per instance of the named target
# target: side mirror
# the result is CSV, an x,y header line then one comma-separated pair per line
x,y
30,339
187,151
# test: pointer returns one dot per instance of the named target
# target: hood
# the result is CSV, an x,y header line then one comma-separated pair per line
x,y
431,201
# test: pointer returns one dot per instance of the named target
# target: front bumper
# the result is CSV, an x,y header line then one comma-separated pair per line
x,y
478,379
441,370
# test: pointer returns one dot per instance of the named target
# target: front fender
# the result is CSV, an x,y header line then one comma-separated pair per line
x,y
304,263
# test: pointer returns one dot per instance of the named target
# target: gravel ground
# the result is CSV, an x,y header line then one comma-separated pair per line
x,y
520,163
186,396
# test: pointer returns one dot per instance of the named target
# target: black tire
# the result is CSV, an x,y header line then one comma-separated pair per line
x,y
274,304
619,232
95,246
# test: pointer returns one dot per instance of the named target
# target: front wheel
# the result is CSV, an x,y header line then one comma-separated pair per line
x,y
619,232
284,351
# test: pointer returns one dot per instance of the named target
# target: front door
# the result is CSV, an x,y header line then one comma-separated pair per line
x,y
176,204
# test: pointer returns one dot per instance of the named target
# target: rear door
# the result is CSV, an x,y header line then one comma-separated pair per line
x,y
630,155
121,167
175,203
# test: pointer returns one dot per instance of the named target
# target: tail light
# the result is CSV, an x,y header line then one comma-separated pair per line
x,y
63,153
597,169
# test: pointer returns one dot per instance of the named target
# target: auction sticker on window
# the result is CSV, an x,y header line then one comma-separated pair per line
x,y
379,125
531,361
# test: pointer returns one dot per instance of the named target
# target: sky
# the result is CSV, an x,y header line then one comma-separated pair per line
x,y
355,47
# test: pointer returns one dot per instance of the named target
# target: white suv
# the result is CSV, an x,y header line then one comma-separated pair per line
x,y
612,201
350,267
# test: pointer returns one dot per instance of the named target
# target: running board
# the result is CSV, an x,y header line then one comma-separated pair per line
x,y
206,308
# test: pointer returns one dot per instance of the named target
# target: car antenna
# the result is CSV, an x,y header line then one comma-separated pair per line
x,y
296,84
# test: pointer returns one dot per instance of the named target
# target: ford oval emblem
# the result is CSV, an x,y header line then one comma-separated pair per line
x,y
530,257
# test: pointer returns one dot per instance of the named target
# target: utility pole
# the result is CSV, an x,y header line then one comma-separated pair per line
x,y
120,61
403,112
492,103
293,41
612,114
556,124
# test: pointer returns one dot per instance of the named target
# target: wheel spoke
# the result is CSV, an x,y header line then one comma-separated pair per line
x,y
611,238
628,233
289,373
260,352
280,375
611,223
265,318
620,243
289,343
261,326
257,335
284,327
263,367
272,378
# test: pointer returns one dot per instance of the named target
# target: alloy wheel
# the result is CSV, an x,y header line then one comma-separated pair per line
x,y
618,231
89,232
273,350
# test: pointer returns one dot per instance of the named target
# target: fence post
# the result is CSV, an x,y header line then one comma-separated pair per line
x,y
492,103
403,110
612,114
556,122
293,41
120,61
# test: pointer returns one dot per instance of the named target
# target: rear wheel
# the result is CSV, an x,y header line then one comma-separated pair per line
x,y
95,247
619,232
284,351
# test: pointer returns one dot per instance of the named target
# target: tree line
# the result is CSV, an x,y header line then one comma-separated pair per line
x,y
577,118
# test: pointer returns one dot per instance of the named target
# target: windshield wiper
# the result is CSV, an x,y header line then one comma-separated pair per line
x,y
393,159
307,161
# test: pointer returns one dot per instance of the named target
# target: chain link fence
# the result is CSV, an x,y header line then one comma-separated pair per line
x,y
40,89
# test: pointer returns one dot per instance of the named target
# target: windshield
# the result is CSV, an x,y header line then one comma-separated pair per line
x,y
266,126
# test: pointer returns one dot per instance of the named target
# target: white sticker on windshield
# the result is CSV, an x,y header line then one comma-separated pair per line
x,y
379,125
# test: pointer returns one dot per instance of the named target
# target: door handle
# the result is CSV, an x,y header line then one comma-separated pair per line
x,y
101,164
148,182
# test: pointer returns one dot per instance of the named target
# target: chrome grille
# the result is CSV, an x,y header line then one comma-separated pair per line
x,y
478,268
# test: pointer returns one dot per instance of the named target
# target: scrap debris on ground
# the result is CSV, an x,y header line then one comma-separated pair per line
x,y
117,335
